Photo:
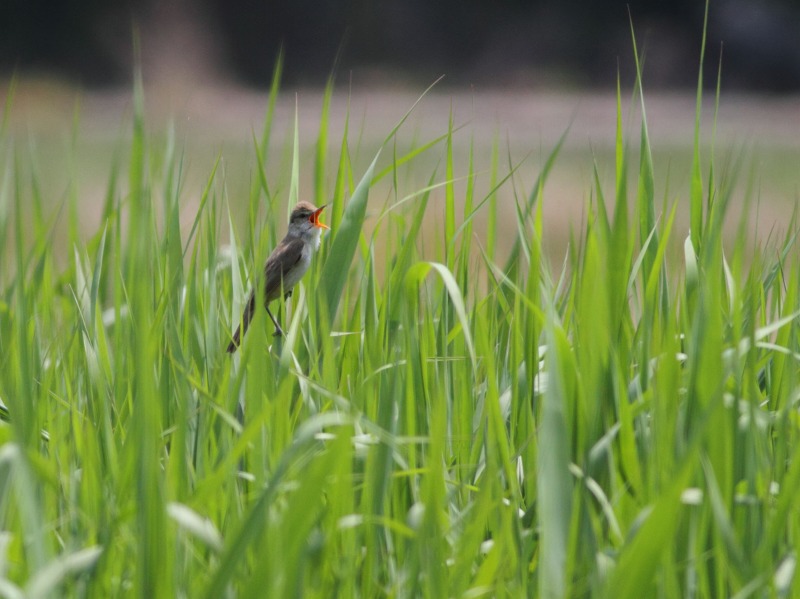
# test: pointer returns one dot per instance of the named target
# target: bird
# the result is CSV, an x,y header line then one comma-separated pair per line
x,y
286,265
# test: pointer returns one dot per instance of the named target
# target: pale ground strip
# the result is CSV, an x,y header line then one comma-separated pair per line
x,y
223,120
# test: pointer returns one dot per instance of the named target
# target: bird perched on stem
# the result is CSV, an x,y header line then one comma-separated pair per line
x,y
286,265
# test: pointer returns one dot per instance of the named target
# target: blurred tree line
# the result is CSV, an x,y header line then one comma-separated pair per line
x,y
486,42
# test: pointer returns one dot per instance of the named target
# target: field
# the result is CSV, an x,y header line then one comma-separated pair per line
x,y
516,367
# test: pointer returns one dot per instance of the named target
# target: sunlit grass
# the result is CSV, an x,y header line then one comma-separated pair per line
x,y
441,420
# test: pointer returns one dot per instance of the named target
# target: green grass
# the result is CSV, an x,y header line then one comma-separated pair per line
x,y
442,419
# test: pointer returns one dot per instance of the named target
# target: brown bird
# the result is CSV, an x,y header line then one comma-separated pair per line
x,y
286,265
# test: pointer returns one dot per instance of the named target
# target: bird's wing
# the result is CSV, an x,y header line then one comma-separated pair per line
x,y
284,258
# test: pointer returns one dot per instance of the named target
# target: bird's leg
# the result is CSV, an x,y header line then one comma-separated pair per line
x,y
278,329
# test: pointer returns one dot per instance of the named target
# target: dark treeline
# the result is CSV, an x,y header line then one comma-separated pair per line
x,y
567,42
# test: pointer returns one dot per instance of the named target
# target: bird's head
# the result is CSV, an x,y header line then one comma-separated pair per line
x,y
304,220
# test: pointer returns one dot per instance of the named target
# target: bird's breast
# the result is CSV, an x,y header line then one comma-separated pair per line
x,y
291,277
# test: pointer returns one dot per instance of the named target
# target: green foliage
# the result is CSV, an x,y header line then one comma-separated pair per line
x,y
435,424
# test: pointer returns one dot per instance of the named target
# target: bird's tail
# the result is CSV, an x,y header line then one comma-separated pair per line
x,y
242,328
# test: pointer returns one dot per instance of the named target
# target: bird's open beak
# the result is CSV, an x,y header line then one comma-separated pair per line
x,y
315,218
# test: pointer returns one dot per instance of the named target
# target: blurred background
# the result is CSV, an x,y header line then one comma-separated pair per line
x,y
518,73
568,43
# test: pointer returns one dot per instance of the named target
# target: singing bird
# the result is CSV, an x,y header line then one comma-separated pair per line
x,y
286,265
